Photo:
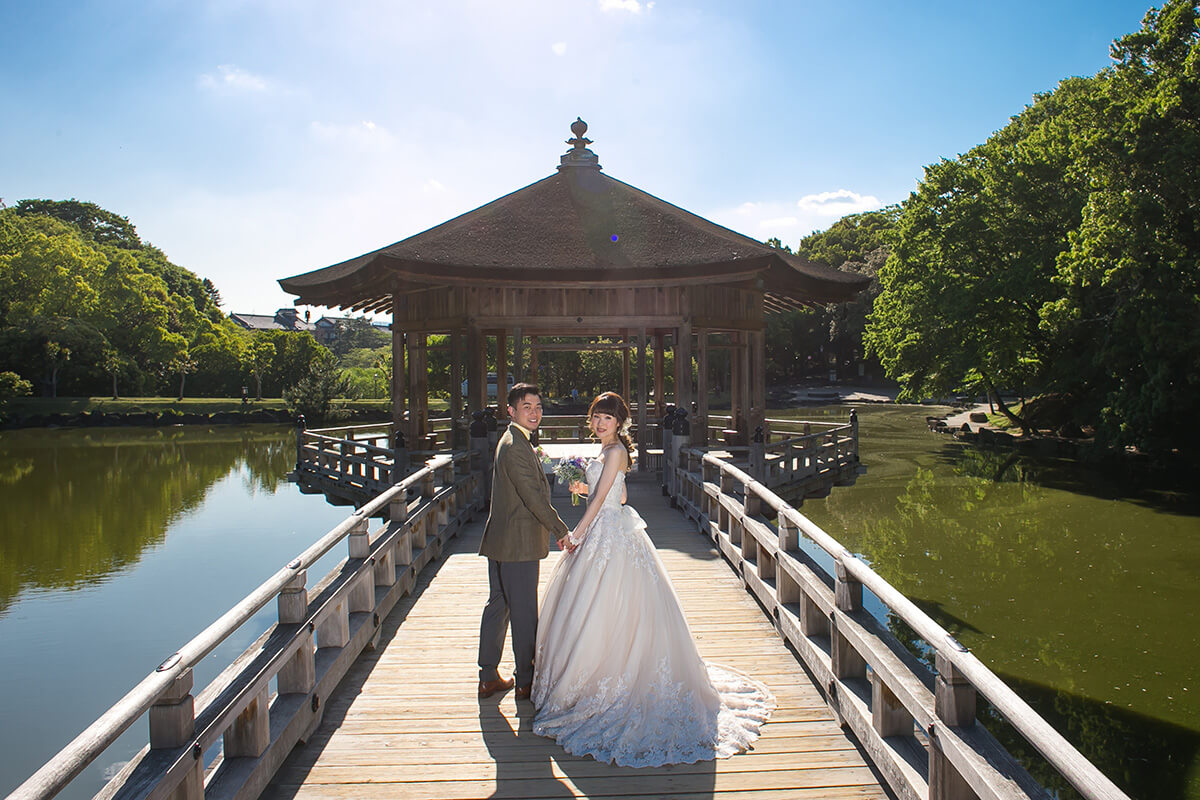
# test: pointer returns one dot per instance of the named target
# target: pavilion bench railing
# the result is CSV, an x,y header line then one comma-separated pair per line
x,y
319,634
792,452
919,728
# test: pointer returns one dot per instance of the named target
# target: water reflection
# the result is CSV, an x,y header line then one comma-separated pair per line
x,y
76,506
1076,584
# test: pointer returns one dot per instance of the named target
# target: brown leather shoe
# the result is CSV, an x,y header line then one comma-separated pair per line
x,y
523,692
489,688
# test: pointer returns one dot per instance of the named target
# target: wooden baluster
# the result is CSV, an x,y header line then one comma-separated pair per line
x,y
419,531
334,630
888,716
385,566
362,594
299,674
954,703
173,724
787,589
847,663
250,733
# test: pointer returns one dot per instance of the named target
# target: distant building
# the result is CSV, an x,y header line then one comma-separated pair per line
x,y
326,330
285,319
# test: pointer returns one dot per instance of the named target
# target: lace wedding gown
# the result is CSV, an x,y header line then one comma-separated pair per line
x,y
617,675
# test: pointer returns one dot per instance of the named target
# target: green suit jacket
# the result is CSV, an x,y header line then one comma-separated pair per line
x,y
522,519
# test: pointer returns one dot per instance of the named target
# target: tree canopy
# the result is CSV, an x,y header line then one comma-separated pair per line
x,y
1061,254
86,307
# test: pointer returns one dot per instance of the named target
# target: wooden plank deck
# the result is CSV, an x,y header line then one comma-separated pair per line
x,y
406,722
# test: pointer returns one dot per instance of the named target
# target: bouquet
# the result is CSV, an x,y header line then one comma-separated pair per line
x,y
541,456
568,471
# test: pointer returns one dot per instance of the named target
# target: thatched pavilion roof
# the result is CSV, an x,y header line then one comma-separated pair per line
x,y
577,227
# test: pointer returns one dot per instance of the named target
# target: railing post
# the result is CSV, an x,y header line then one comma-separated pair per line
x,y
299,674
479,447
173,715
493,435
399,457
173,724
300,428
847,663
954,702
680,439
667,422
787,590
758,455
854,433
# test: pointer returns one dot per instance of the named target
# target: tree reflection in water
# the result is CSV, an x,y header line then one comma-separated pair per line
x,y
77,506
1074,584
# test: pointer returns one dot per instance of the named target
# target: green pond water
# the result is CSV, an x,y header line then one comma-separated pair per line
x,y
1079,588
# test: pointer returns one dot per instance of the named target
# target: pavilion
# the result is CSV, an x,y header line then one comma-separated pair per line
x,y
577,254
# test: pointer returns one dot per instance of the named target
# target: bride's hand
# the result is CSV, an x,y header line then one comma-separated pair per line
x,y
578,487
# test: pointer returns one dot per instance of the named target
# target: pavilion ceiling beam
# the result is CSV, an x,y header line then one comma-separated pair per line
x,y
567,346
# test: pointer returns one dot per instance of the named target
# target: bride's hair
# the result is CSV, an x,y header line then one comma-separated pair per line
x,y
614,405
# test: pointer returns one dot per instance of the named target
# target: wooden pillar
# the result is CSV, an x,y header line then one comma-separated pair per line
x,y
643,400
741,356
625,367
413,432
476,369
457,437
398,373
420,399
683,366
533,360
660,396
758,381
735,379
700,423
501,373
518,356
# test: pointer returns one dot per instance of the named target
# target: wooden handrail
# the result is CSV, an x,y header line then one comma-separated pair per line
x,y
952,657
55,774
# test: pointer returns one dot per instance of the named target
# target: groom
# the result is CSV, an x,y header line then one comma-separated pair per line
x,y
515,539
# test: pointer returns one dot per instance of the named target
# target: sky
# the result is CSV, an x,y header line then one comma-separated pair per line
x,y
253,140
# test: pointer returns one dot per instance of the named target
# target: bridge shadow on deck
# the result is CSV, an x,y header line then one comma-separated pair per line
x,y
406,721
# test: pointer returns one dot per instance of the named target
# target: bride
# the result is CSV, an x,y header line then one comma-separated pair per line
x,y
617,675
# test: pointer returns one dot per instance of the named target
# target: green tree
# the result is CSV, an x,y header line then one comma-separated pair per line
x,y
256,358
313,394
1129,277
12,385
99,225
973,262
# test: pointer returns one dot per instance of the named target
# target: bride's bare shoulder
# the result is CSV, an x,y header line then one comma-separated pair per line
x,y
615,451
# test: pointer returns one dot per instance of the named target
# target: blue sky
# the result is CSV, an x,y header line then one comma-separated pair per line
x,y
256,139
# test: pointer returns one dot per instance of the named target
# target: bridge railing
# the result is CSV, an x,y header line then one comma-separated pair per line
x,y
318,635
918,726
791,452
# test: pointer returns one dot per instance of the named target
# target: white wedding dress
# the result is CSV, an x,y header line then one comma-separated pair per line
x,y
617,675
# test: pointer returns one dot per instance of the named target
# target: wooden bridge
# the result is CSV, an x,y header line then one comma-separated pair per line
x,y
366,684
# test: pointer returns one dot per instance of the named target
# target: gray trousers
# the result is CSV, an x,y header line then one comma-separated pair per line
x,y
512,598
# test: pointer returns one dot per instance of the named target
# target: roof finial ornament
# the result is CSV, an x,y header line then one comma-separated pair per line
x,y
579,155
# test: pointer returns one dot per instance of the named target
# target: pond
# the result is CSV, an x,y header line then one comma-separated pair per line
x,y
1078,587
116,547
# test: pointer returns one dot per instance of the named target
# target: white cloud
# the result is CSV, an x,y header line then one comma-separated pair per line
x,y
791,221
632,6
364,135
839,203
559,48
434,185
229,78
